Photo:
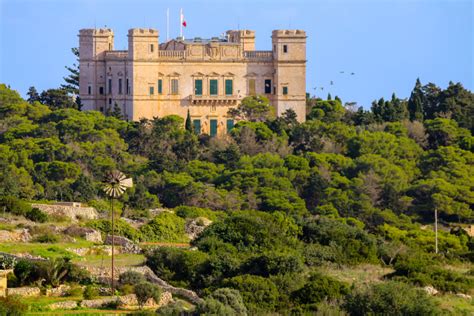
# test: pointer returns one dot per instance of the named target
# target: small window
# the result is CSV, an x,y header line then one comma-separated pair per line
x,y
120,86
152,48
89,90
198,87
110,86
174,86
274,48
285,48
285,90
101,109
230,125
229,87
160,86
274,90
252,86
101,90
110,101
128,87
213,87
152,90
213,131
268,86
197,126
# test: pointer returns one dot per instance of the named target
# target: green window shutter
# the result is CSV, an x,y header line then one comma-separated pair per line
x,y
213,128
213,87
198,87
160,86
252,86
152,90
285,90
197,126
228,87
230,125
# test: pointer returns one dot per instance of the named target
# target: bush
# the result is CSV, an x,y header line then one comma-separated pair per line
x,y
24,271
47,238
146,290
15,205
36,215
259,294
319,288
390,298
273,263
165,227
90,292
131,277
12,306
75,291
230,298
121,228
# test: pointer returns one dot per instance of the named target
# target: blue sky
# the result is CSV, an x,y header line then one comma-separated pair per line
x,y
386,43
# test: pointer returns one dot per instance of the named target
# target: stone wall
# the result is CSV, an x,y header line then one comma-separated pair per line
x,y
73,213
16,235
63,305
24,291
87,233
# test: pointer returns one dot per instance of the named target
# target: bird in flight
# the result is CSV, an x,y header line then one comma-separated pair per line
x,y
352,73
331,82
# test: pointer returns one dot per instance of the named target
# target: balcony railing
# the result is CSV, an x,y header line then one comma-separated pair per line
x,y
117,53
214,99
259,55
172,54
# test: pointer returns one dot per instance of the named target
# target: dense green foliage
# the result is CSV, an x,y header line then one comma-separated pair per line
x,y
343,188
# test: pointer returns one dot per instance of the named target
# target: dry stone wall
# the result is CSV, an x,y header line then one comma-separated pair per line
x,y
24,291
73,212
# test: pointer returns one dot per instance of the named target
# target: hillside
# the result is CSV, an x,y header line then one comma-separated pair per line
x,y
331,216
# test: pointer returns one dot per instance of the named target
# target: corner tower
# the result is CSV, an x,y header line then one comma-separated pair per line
x,y
289,62
93,44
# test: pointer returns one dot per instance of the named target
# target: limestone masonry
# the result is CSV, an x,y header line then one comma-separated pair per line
x,y
206,77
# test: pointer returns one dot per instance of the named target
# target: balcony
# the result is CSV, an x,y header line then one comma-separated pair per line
x,y
116,54
259,55
214,99
171,54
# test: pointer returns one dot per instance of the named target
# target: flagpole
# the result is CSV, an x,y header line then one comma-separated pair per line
x,y
181,24
168,24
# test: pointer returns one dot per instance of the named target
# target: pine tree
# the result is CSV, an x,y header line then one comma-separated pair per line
x,y
188,124
415,103
329,97
116,112
72,80
33,95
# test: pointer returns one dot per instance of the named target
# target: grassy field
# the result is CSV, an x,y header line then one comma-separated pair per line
x,y
121,260
44,249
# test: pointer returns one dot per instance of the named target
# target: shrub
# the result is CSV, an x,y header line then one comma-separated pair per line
x,y
390,298
230,298
195,212
47,238
165,227
12,306
131,277
36,215
259,294
75,291
90,292
274,263
146,290
121,228
211,306
127,289
15,205
318,288
24,271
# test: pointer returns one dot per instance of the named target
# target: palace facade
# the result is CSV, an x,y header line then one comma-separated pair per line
x,y
204,76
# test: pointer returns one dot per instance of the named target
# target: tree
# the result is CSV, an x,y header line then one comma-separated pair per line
x,y
72,80
116,112
415,102
146,290
33,95
189,124
57,99
253,109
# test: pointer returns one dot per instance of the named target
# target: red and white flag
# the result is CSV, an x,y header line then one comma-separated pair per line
x,y
183,21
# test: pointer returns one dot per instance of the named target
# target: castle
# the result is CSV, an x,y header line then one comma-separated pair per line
x,y
206,77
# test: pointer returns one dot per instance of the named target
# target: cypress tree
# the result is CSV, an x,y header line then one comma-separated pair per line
x,y
188,124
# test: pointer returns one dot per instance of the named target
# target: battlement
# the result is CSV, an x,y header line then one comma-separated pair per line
x,y
143,32
96,32
289,33
241,33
